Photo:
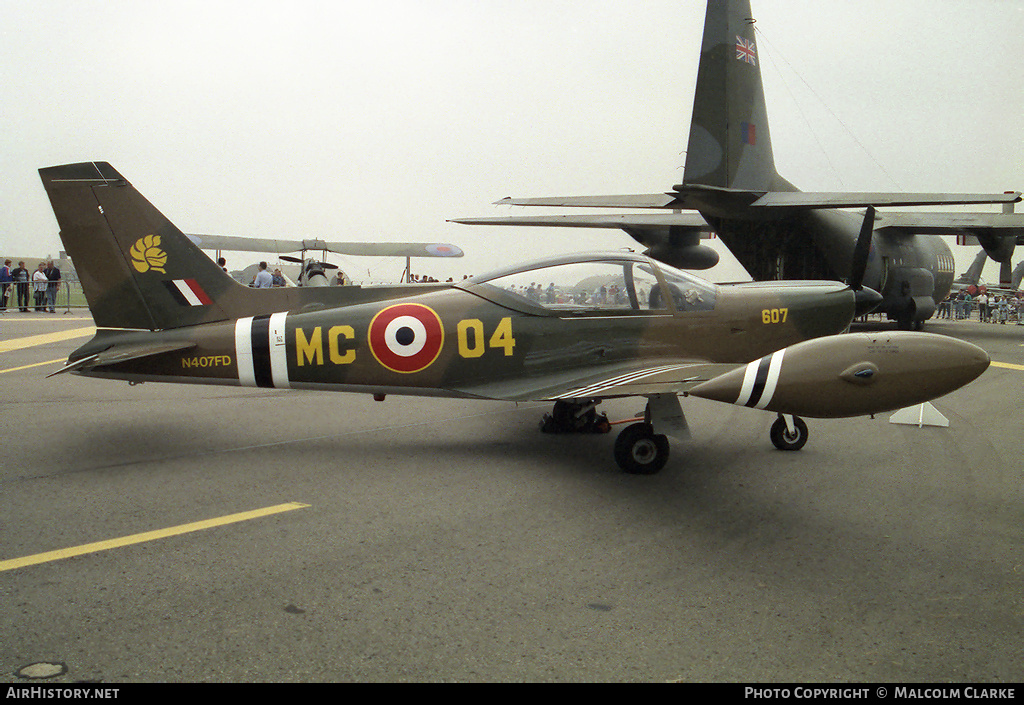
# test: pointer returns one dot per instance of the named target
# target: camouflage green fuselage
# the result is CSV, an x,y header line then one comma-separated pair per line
x,y
467,340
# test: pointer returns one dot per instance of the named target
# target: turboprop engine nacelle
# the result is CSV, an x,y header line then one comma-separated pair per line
x,y
690,257
850,375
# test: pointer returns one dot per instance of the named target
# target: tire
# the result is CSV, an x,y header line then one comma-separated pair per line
x,y
639,451
784,440
564,419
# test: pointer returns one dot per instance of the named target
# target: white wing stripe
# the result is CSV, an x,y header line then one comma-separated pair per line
x,y
612,382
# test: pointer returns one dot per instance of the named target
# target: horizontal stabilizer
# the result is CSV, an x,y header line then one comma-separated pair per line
x,y
644,200
123,353
359,249
640,220
697,197
799,199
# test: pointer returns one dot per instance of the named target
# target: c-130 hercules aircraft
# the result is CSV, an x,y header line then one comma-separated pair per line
x,y
774,230
573,330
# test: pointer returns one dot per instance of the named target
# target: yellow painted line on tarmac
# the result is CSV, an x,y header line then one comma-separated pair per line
x,y
35,364
30,341
1007,365
62,318
60,554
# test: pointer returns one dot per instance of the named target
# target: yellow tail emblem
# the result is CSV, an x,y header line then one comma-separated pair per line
x,y
146,254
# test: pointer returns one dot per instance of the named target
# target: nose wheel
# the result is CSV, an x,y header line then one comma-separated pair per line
x,y
789,434
640,451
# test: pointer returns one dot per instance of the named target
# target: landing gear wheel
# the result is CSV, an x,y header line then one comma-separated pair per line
x,y
564,414
569,417
786,440
639,451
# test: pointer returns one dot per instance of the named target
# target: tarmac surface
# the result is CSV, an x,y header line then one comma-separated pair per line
x,y
449,540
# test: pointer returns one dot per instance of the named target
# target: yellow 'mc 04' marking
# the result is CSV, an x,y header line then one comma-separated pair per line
x,y
310,351
147,536
501,338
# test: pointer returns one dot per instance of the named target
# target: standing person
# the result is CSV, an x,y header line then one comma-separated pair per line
x,y
39,285
5,284
263,278
945,305
21,277
53,277
1004,310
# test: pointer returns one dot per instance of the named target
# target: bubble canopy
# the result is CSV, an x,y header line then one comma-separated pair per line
x,y
611,283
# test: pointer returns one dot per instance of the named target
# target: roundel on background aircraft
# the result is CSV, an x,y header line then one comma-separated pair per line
x,y
406,338
439,249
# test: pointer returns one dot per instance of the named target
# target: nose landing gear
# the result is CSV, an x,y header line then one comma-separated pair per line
x,y
789,432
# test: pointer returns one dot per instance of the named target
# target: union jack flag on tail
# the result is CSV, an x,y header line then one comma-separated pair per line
x,y
745,51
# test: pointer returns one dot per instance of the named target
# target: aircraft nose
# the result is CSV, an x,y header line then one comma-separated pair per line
x,y
866,301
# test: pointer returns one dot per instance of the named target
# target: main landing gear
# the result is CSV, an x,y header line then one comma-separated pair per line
x,y
575,417
638,449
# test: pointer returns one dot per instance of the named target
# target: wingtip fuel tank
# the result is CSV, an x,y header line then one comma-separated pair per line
x,y
850,375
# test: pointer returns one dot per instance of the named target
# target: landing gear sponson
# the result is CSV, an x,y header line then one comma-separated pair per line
x,y
639,450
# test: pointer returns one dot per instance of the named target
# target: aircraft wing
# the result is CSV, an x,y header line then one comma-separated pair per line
x,y
635,378
966,224
367,249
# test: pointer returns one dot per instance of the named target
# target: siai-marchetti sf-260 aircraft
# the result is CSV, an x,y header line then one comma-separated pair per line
x,y
573,330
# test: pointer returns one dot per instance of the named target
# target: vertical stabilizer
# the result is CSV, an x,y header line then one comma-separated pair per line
x,y
136,268
730,145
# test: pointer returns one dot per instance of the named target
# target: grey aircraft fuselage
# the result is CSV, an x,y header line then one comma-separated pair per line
x,y
912,273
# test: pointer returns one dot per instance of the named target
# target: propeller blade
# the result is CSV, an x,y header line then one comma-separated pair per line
x,y
861,251
289,258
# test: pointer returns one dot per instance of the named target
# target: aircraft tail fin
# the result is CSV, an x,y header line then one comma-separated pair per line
x,y
729,144
136,268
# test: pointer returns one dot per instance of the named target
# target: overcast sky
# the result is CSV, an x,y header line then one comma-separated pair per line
x,y
378,121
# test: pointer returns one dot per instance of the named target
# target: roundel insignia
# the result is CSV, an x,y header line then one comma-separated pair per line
x,y
440,249
406,338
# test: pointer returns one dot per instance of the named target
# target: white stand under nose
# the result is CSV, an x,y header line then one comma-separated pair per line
x,y
920,415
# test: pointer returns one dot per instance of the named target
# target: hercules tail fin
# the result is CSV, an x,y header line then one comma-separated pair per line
x,y
729,145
